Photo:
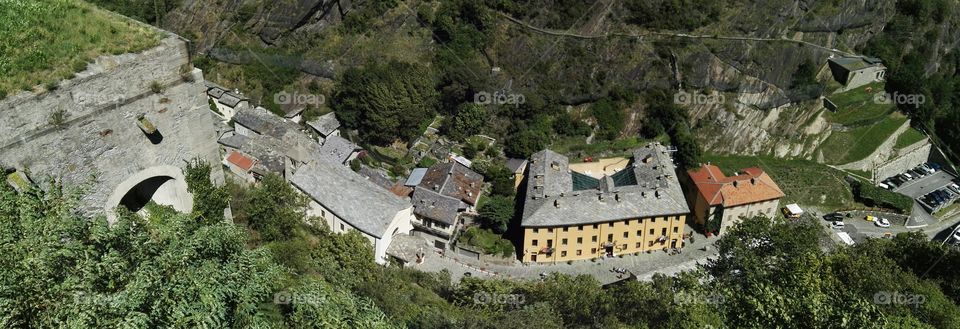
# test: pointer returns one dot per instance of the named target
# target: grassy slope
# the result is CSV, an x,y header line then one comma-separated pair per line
x,y
45,41
857,106
909,137
804,182
858,143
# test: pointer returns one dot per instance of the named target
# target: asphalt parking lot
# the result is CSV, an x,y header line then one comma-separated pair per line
x,y
918,187
919,217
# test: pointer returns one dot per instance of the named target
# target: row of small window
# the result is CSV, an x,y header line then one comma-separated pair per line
x,y
609,237
596,226
563,253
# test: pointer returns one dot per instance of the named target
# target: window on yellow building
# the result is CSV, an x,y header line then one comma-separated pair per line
x,y
563,254
638,244
536,230
651,231
563,242
596,226
664,231
565,229
653,220
579,252
549,230
534,242
579,240
580,228
593,250
624,247
639,233
609,237
626,235
676,229
610,224
594,239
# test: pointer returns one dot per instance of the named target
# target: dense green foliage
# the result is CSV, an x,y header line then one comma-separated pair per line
x,y
487,241
877,197
386,101
167,270
666,117
496,212
209,200
468,121
273,208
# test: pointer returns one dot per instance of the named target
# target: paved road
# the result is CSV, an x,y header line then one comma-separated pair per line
x,y
643,266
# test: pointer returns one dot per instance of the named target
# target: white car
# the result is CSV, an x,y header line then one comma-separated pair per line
x,y
881,222
837,225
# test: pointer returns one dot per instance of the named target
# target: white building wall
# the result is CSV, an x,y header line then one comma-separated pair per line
x,y
733,215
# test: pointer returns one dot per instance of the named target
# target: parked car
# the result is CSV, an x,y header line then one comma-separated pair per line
x,y
837,225
934,165
956,236
907,176
833,217
881,222
884,186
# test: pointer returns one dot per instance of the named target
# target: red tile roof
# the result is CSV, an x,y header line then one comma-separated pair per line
x,y
240,160
750,186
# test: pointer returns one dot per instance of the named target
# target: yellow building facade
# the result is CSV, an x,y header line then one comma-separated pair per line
x,y
574,214
588,241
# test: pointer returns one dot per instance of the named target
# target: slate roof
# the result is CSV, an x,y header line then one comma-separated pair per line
x,y
517,166
288,138
551,199
436,206
236,141
262,121
216,92
751,186
292,111
325,124
455,180
230,99
337,149
349,196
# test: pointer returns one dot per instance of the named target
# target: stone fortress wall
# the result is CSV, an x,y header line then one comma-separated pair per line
x,y
86,131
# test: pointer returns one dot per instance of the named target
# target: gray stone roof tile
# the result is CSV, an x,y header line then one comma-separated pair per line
x,y
552,201
356,200
325,124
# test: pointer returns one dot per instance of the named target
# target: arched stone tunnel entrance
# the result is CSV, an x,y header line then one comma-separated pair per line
x,y
165,185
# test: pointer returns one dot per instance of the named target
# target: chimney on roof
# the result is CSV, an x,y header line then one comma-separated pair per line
x,y
436,187
753,181
643,194
616,196
735,183
469,194
657,192
600,196
556,203
555,166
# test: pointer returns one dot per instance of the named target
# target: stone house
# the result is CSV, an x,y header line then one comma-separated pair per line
x,y
715,196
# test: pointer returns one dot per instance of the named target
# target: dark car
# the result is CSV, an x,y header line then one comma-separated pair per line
x,y
833,217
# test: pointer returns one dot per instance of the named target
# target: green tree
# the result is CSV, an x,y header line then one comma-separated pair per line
x,y
469,120
273,208
496,212
386,101
60,269
209,200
